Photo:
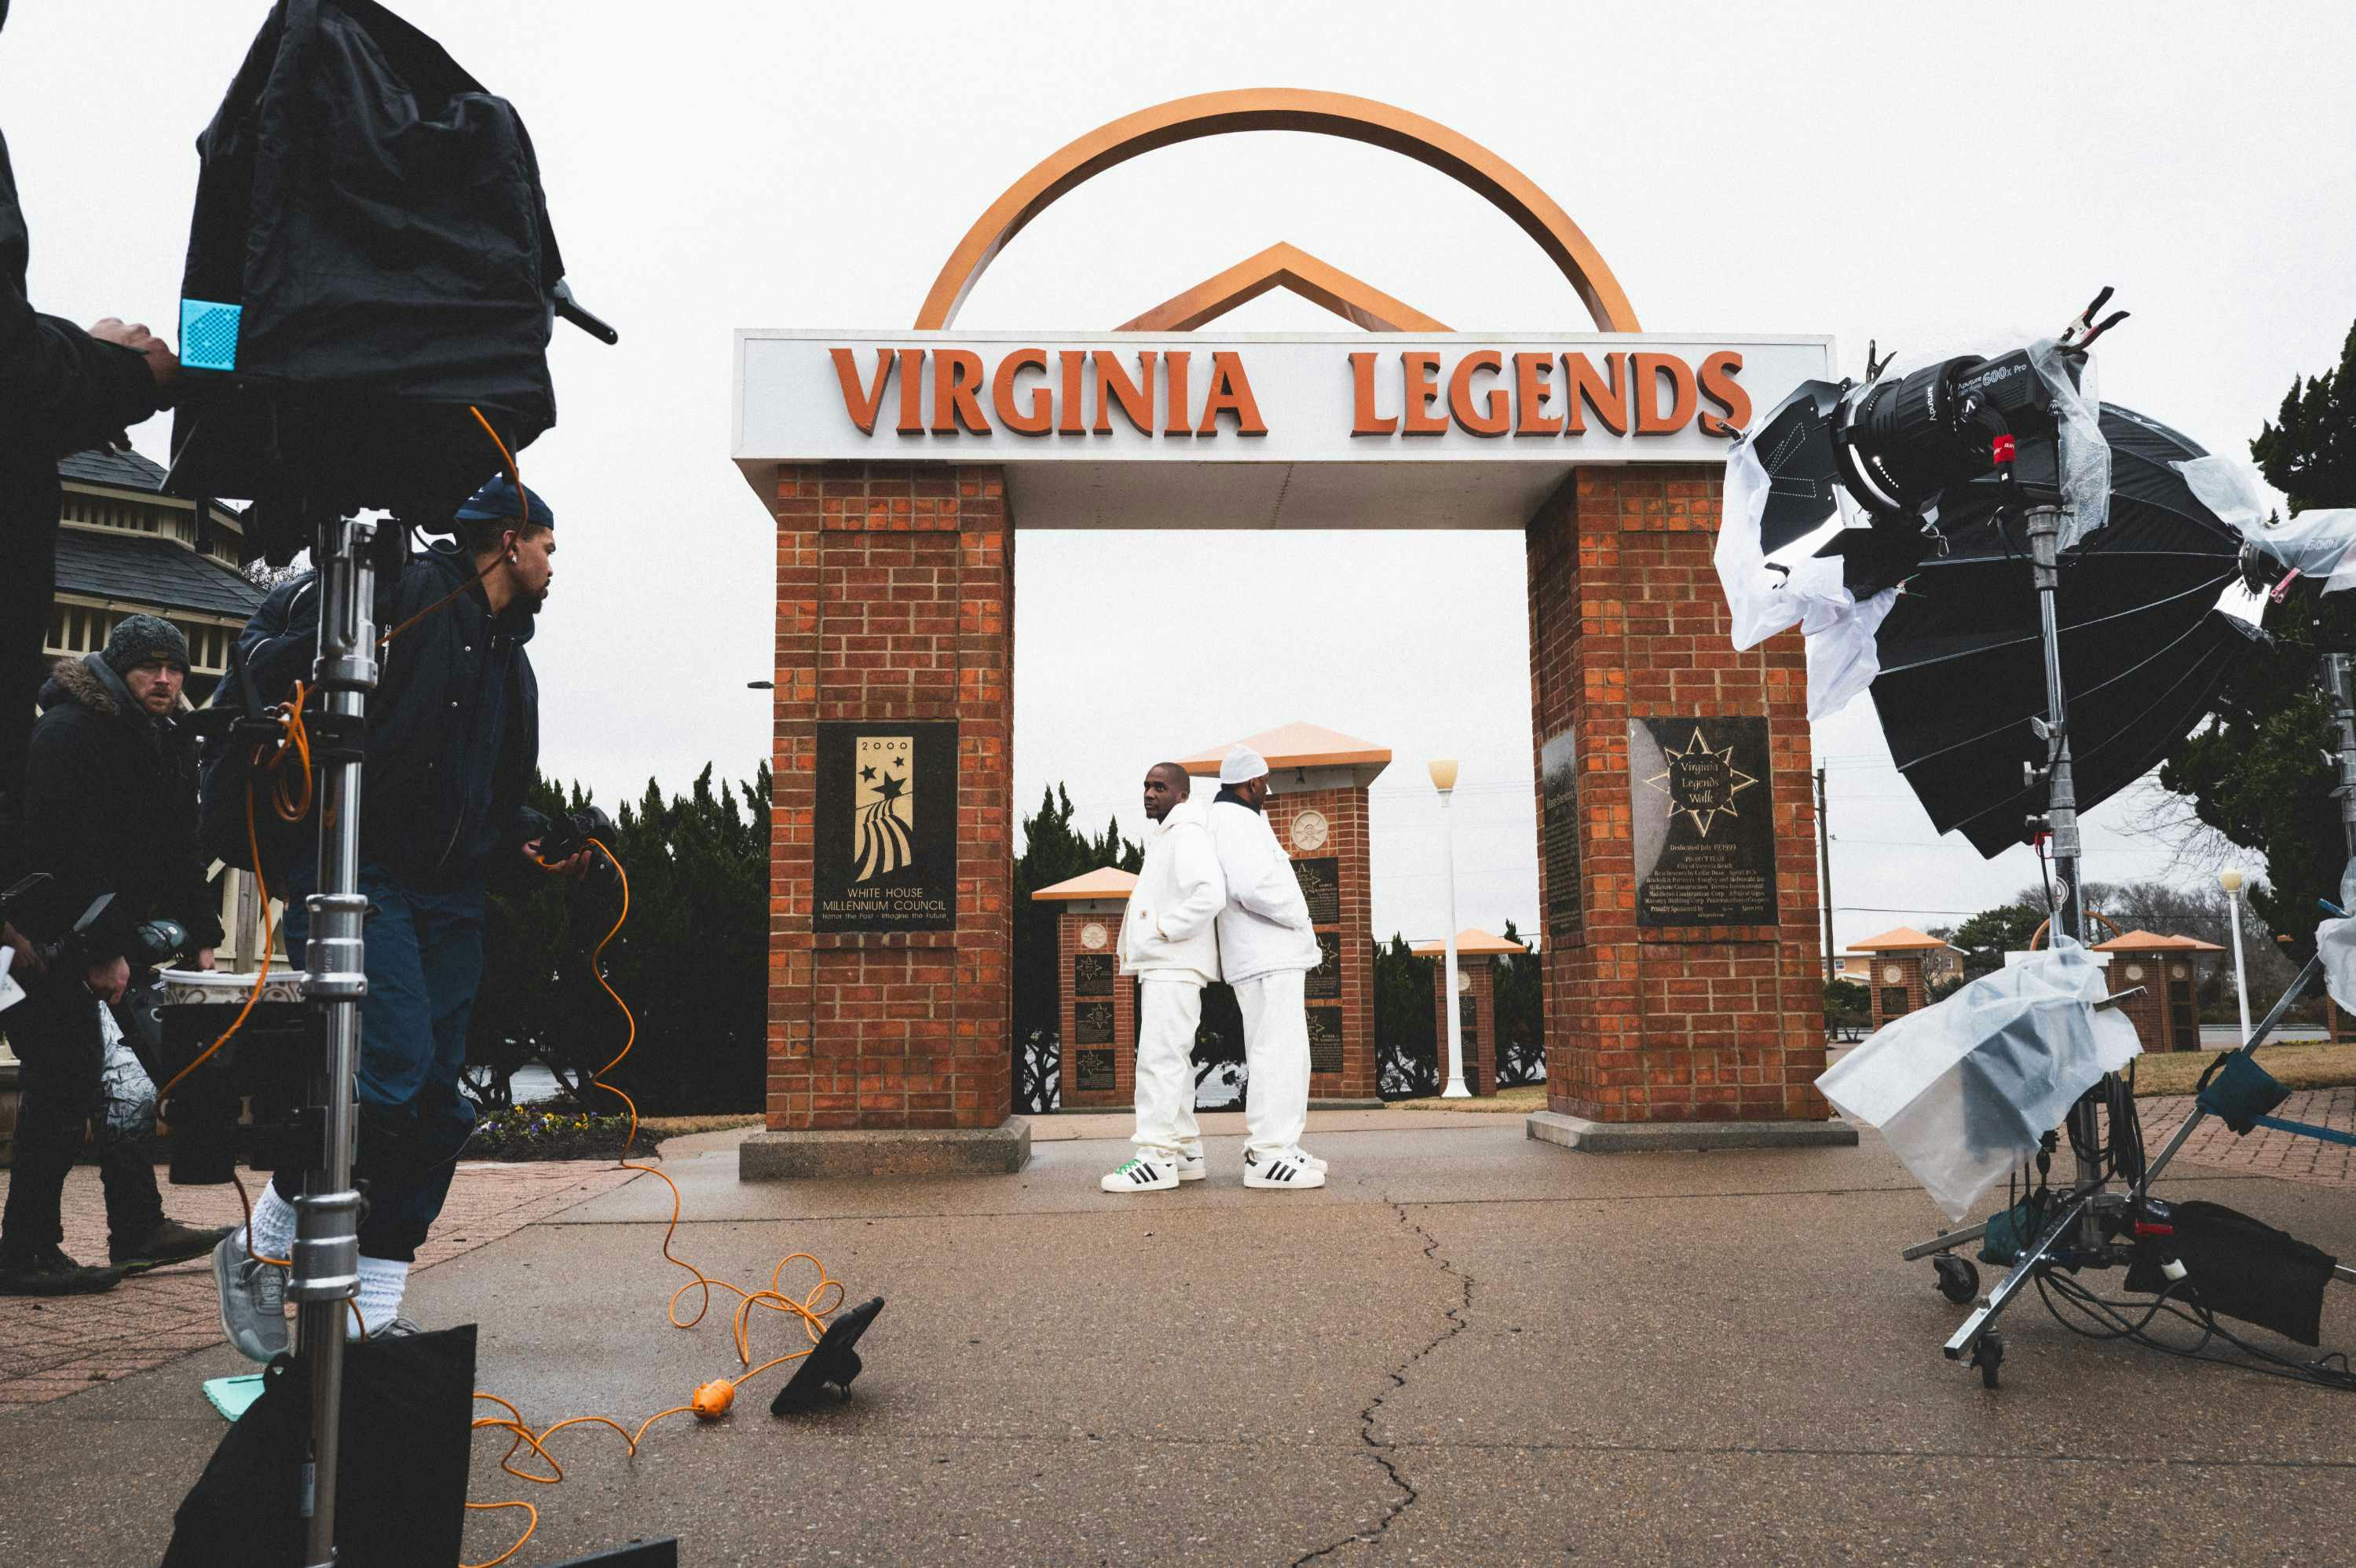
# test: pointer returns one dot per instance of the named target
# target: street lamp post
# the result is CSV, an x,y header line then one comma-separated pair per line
x,y
1444,779
2231,880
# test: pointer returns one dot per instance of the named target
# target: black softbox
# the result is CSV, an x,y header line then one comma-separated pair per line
x,y
370,259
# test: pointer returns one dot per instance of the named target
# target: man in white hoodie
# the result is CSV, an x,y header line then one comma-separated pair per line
x,y
1168,942
1266,946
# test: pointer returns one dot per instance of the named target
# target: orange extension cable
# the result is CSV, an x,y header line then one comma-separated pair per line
x,y
711,1400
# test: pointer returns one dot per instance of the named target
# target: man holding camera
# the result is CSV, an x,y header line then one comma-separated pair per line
x,y
61,391
111,809
453,747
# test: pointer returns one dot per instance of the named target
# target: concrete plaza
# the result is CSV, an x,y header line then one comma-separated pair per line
x,y
1470,1348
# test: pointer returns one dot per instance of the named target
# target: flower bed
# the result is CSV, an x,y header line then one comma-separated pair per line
x,y
554,1132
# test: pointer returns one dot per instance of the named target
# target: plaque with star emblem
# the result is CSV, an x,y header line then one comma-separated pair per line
x,y
1325,1039
1320,885
1092,974
1324,982
1092,1072
884,823
1092,1023
1704,820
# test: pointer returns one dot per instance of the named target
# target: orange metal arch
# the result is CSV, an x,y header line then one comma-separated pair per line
x,y
1283,109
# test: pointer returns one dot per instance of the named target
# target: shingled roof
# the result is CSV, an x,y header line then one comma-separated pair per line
x,y
123,470
150,571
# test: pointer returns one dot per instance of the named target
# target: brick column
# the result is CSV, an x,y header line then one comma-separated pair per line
x,y
1478,1004
1351,940
1649,1024
1119,1053
1910,993
891,1051
2148,1013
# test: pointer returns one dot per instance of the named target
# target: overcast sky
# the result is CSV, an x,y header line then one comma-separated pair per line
x,y
1925,175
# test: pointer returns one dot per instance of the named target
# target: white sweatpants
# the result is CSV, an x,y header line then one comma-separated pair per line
x,y
1276,1055
1168,1010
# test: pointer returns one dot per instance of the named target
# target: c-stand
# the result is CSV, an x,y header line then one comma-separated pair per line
x,y
2085,1229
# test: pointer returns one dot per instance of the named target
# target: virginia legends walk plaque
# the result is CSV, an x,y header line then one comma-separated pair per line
x,y
1705,822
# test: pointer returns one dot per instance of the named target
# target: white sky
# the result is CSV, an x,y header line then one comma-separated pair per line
x,y
1927,175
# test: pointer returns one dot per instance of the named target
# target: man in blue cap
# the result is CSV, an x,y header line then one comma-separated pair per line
x,y
453,747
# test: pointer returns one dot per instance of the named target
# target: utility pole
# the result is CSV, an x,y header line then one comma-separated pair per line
x,y
1825,875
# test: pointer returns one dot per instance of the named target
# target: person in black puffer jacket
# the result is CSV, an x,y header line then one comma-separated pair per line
x,y
62,390
111,808
453,747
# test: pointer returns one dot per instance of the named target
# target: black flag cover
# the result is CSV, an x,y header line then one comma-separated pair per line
x,y
2143,645
370,258
401,1496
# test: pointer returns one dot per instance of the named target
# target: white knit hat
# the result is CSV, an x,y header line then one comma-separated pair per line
x,y
1241,765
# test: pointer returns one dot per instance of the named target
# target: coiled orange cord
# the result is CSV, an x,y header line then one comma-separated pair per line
x,y
712,1400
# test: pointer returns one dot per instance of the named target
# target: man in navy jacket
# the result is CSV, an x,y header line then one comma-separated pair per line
x,y
453,747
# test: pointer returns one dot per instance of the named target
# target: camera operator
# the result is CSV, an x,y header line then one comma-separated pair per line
x,y
111,807
453,747
61,391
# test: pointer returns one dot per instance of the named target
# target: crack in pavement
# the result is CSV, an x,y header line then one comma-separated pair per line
x,y
1459,1319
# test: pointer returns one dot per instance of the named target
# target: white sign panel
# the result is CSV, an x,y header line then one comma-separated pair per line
x,y
967,397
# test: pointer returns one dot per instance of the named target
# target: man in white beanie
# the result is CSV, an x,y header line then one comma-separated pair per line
x,y
1266,946
1168,942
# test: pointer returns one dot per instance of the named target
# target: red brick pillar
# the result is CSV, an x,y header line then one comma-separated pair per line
x,y
890,1049
1650,1023
1898,985
1476,1005
1348,997
1099,1064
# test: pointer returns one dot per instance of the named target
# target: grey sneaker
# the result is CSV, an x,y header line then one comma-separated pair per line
x,y
253,1300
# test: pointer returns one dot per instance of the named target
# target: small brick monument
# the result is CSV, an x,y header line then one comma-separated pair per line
x,y
1897,980
1096,1003
2167,1016
1477,952
1318,807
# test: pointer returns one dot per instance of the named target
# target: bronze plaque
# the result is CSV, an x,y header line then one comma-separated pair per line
x,y
1092,974
884,823
1467,1015
1324,984
1321,884
1092,1072
1558,787
1092,1023
1704,821
1324,1040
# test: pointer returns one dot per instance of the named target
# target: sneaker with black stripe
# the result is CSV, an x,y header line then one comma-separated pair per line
x,y
1142,1174
1288,1168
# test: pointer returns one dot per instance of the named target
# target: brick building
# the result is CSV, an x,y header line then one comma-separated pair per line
x,y
1899,976
1096,1003
2167,1016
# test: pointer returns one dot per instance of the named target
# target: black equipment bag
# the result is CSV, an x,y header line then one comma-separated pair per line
x,y
400,1494
2241,1267
370,256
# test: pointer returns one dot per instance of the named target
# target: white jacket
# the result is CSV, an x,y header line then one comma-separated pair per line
x,y
1166,930
1265,926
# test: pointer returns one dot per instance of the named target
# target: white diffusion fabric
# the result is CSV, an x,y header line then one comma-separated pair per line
x,y
2085,456
2319,543
1963,1091
1807,592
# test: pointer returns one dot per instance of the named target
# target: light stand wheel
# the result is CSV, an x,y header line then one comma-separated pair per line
x,y
1987,1355
1959,1281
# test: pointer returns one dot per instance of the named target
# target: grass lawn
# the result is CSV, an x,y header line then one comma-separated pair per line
x,y
2320,1066
1520,1101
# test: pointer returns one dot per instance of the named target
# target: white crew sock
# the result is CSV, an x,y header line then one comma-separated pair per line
x,y
272,1232
382,1281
